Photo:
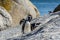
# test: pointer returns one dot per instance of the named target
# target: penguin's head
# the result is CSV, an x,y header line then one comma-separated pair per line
x,y
29,18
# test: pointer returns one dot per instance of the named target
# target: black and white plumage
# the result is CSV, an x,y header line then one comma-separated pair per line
x,y
23,21
34,25
26,27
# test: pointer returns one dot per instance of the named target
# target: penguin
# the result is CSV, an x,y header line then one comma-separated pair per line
x,y
22,22
26,26
34,25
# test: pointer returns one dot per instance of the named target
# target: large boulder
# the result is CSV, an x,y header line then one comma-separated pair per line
x,y
19,9
5,19
57,8
29,7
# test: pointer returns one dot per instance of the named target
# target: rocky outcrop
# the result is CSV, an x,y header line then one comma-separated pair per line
x,y
49,29
29,7
5,19
19,9
57,8
10,33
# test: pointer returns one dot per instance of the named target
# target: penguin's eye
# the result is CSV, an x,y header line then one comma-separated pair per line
x,y
29,17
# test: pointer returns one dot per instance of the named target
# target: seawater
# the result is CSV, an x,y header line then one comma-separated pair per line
x,y
45,6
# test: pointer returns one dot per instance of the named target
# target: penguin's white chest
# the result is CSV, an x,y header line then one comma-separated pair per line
x,y
27,28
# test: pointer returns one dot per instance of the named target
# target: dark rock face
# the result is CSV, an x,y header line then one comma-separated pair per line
x,y
57,8
49,29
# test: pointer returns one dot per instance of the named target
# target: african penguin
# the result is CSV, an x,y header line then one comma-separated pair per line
x,y
26,27
34,25
22,22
